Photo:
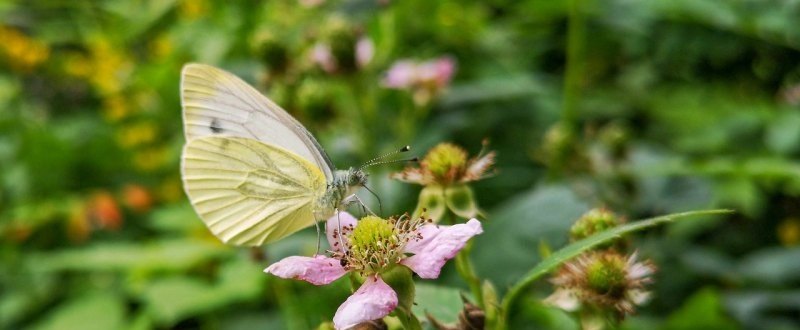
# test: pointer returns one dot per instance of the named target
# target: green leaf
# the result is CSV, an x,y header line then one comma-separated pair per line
x,y
702,311
172,299
176,254
443,303
570,251
542,214
773,266
101,311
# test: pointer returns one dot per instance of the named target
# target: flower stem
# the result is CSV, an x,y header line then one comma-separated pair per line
x,y
408,319
576,33
467,272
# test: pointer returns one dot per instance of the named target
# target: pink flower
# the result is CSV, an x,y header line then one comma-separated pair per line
x,y
405,74
365,50
371,246
323,56
425,79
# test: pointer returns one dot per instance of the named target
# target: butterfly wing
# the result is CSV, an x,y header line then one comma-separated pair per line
x,y
248,192
216,102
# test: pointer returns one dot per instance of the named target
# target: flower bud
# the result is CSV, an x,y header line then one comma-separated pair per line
x,y
593,222
446,161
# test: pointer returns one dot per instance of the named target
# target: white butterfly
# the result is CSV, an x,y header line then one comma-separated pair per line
x,y
253,173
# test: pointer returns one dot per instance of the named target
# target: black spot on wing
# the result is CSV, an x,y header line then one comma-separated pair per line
x,y
215,126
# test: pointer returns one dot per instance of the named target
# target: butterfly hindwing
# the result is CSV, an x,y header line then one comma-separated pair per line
x,y
248,192
216,102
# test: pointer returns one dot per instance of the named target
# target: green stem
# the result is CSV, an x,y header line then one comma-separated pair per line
x,y
575,65
467,272
408,319
570,251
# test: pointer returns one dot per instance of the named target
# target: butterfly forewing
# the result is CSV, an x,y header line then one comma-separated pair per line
x,y
217,103
248,192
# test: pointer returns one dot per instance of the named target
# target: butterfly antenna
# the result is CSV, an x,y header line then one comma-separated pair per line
x,y
380,206
375,161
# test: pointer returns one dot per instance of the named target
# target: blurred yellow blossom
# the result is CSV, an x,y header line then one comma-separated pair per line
x,y
136,134
161,46
150,159
789,232
192,9
171,189
22,52
115,108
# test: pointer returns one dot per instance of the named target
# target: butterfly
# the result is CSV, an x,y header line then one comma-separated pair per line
x,y
252,172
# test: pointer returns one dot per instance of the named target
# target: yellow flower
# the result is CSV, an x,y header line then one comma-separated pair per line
x,y
22,53
115,108
151,158
192,9
137,134
789,232
161,47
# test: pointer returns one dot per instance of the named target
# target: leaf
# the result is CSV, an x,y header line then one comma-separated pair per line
x,y
570,251
176,254
172,299
443,303
773,266
101,311
702,311
542,214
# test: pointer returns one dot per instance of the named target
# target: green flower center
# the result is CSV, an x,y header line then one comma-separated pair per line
x,y
372,234
608,275
446,160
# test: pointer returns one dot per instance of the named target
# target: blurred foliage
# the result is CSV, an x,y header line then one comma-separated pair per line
x,y
680,104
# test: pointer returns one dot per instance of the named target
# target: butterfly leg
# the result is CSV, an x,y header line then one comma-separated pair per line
x,y
316,224
354,199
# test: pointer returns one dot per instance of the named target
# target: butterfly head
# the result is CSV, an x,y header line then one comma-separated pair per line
x,y
356,177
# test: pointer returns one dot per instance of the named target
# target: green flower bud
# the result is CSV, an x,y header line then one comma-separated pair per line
x,y
446,161
592,222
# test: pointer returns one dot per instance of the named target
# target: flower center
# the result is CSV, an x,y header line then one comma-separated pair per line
x,y
376,244
608,275
372,234
446,161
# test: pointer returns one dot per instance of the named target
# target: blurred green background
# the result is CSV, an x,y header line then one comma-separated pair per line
x,y
645,107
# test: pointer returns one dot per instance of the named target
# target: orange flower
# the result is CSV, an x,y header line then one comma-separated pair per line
x,y
104,212
137,198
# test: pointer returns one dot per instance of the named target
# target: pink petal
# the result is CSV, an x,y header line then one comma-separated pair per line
x,y
365,49
478,167
401,75
322,55
317,270
413,175
373,300
343,221
437,246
